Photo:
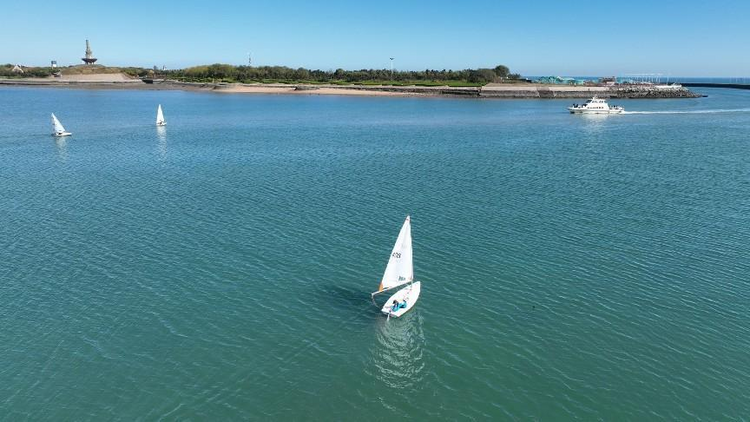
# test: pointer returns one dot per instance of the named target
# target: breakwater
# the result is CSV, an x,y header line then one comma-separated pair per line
x,y
526,91
554,91
715,85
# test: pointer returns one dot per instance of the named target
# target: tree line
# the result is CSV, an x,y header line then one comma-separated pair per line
x,y
230,73
248,74
6,70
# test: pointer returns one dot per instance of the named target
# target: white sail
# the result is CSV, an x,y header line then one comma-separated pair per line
x,y
400,269
58,127
160,117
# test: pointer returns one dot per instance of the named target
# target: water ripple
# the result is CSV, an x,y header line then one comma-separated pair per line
x,y
221,268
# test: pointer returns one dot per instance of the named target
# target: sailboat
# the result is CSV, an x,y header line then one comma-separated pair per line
x,y
58,128
160,117
400,272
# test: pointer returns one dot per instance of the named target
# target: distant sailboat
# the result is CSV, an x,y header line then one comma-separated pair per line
x,y
399,272
160,117
58,128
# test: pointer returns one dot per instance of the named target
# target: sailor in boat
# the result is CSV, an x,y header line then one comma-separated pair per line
x,y
396,306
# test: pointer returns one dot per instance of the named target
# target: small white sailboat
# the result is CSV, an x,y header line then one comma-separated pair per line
x,y
160,117
400,272
58,128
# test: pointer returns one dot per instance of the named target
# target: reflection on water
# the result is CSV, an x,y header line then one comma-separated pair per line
x,y
62,148
398,355
161,133
594,123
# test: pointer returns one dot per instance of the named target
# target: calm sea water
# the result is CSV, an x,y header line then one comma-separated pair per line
x,y
572,267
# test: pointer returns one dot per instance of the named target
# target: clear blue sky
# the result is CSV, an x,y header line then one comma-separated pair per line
x,y
685,38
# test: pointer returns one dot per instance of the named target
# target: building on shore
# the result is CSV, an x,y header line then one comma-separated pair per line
x,y
89,59
17,69
559,80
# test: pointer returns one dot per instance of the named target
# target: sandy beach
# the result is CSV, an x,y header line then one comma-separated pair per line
x,y
306,90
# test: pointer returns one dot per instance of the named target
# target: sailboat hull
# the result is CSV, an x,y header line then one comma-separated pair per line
x,y
61,134
409,293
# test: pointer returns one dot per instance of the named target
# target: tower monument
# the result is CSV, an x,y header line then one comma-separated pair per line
x,y
89,59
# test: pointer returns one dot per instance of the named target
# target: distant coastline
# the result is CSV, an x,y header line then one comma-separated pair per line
x,y
497,82
491,90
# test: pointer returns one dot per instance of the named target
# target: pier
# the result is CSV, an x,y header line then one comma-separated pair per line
x,y
714,85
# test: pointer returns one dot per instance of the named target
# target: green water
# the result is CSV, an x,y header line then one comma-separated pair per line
x,y
220,269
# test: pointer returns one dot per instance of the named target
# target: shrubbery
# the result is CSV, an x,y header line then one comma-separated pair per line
x,y
225,72
6,70
280,74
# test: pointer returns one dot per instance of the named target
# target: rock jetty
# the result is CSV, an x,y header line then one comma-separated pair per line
x,y
555,91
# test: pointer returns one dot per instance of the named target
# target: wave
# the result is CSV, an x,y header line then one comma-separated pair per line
x,y
735,110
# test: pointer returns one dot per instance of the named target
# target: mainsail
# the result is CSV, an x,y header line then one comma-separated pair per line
x,y
160,117
58,127
400,269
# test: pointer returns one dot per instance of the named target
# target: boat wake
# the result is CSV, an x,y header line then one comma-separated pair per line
x,y
736,110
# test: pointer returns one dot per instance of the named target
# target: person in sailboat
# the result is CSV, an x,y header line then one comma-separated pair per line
x,y
396,305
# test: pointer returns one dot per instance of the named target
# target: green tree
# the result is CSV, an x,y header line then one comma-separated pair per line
x,y
286,74
481,75
502,71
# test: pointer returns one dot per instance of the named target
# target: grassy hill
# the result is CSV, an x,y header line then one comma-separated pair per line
x,y
45,72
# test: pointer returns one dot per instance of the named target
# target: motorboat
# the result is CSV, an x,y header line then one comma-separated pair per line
x,y
595,105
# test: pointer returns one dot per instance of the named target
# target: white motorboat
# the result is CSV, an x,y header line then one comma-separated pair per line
x,y
595,105
58,128
400,272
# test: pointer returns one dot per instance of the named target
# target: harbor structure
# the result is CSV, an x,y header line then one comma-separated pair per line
x,y
559,80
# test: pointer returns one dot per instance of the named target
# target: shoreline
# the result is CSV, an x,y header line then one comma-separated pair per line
x,y
497,91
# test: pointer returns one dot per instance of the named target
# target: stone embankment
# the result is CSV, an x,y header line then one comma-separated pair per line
x,y
555,91
520,91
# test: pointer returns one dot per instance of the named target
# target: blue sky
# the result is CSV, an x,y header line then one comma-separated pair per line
x,y
687,38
